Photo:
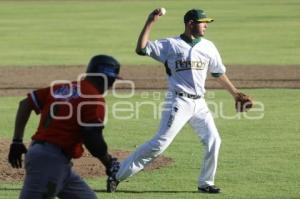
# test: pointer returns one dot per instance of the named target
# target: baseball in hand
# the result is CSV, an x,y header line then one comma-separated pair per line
x,y
163,11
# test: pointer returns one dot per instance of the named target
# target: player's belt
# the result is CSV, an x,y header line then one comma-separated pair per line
x,y
183,94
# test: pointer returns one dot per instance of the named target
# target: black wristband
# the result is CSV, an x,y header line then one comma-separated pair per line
x,y
17,140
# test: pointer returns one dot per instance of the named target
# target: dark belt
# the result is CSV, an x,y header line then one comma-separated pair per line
x,y
183,94
44,142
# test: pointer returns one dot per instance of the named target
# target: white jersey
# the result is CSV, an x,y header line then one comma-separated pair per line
x,y
187,66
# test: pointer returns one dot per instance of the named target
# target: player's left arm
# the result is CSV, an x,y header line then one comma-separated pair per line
x,y
216,67
243,102
227,84
218,70
96,145
93,134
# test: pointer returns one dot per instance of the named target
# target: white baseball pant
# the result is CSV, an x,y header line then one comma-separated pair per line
x,y
177,112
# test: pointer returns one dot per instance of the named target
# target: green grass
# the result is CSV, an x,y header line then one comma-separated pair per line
x,y
259,158
70,32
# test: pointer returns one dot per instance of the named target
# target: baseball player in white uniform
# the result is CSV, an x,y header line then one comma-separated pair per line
x,y
187,58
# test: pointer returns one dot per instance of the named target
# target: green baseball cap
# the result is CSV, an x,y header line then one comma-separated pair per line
x,y
197,15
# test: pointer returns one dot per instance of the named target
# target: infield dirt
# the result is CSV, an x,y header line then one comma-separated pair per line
x,y
19,80
86,166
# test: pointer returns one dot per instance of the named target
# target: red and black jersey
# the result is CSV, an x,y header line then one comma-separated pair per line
x,y
64,109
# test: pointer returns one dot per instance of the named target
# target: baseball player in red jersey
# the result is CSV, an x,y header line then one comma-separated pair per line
x,y
71,115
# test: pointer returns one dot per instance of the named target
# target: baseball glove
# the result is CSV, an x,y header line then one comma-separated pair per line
x,y
243,102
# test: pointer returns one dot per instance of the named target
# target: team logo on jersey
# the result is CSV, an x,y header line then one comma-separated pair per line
x,y
189,65
65,92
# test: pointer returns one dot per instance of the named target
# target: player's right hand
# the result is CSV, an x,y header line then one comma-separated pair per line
x,y
15,154
154,15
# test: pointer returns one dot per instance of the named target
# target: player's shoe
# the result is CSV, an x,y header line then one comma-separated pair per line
x,y
209,189
112,182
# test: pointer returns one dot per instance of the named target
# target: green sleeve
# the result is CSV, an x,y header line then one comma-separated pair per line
x,y
216,74
142,51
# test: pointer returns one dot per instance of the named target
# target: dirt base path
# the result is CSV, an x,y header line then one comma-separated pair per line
x,y
19,80
87,166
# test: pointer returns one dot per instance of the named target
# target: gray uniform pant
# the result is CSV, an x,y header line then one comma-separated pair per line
x,y
177,112
49,174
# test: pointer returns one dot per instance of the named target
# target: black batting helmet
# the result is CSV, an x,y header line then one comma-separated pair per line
x,y
104,64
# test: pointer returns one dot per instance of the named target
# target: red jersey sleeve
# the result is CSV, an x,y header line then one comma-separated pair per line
x,y
38,99
93,112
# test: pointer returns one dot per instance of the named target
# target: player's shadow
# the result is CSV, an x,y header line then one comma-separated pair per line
x,y
119,191
142,192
